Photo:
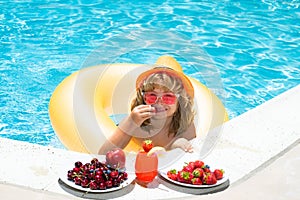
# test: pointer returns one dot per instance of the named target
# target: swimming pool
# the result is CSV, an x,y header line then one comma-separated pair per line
x,y
246,52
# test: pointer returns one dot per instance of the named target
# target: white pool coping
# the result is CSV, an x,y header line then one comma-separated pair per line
x,y
249,143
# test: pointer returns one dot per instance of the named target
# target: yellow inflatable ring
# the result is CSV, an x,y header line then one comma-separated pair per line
x,y
81,105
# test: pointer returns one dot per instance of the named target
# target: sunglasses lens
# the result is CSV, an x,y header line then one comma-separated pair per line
x,y
169,98
150,98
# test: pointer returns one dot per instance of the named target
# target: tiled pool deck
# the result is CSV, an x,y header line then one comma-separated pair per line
x,y
260,151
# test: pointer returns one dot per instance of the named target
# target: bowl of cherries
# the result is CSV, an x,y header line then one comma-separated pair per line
x,y
96,176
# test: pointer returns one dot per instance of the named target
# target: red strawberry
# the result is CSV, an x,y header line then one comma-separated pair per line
x,y
147,145
192,165
219,173
188,168
172,174
184,177
173,177
209,179
196,181
198,173
198,164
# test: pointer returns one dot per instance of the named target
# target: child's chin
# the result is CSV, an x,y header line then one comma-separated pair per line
x,y
160,115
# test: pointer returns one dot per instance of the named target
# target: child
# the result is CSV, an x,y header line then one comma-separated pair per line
x,y
162,112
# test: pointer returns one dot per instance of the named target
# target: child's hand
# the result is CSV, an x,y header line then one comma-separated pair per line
x,y
182,143
141,113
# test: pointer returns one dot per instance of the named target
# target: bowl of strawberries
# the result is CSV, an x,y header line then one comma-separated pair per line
x,y
195,174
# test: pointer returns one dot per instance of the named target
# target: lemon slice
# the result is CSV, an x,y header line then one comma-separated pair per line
x,y
157,150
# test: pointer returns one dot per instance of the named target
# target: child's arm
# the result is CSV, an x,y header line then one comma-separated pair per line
x,y
128,128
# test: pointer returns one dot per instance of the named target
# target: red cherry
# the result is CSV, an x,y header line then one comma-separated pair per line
x,y
78,164
77,181
121,178
70,175
76,169
115,182
98,178
125,175
93,185
114,174
91,175
92,167
99,172
94,161
108,184
85,183
102,186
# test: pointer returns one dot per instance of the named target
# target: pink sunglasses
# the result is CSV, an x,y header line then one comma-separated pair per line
x,y
167,98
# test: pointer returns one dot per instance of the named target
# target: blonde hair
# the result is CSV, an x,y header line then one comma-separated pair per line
x,y
184,114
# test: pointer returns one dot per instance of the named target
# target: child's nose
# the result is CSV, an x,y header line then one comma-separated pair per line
x,y
159,100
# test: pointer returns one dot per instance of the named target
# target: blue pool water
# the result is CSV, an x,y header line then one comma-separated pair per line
x,y
247,52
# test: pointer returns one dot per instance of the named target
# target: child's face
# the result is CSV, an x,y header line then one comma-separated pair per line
x,y
165,105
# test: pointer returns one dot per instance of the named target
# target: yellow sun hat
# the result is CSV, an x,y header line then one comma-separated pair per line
x,y
170,66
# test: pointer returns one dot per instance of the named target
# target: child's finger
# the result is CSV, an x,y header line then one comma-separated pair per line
x,y
188,148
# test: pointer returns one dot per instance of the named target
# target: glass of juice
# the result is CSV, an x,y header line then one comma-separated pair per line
x,y
146,166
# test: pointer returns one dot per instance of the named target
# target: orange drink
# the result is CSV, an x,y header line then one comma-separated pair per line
x,y
146,166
